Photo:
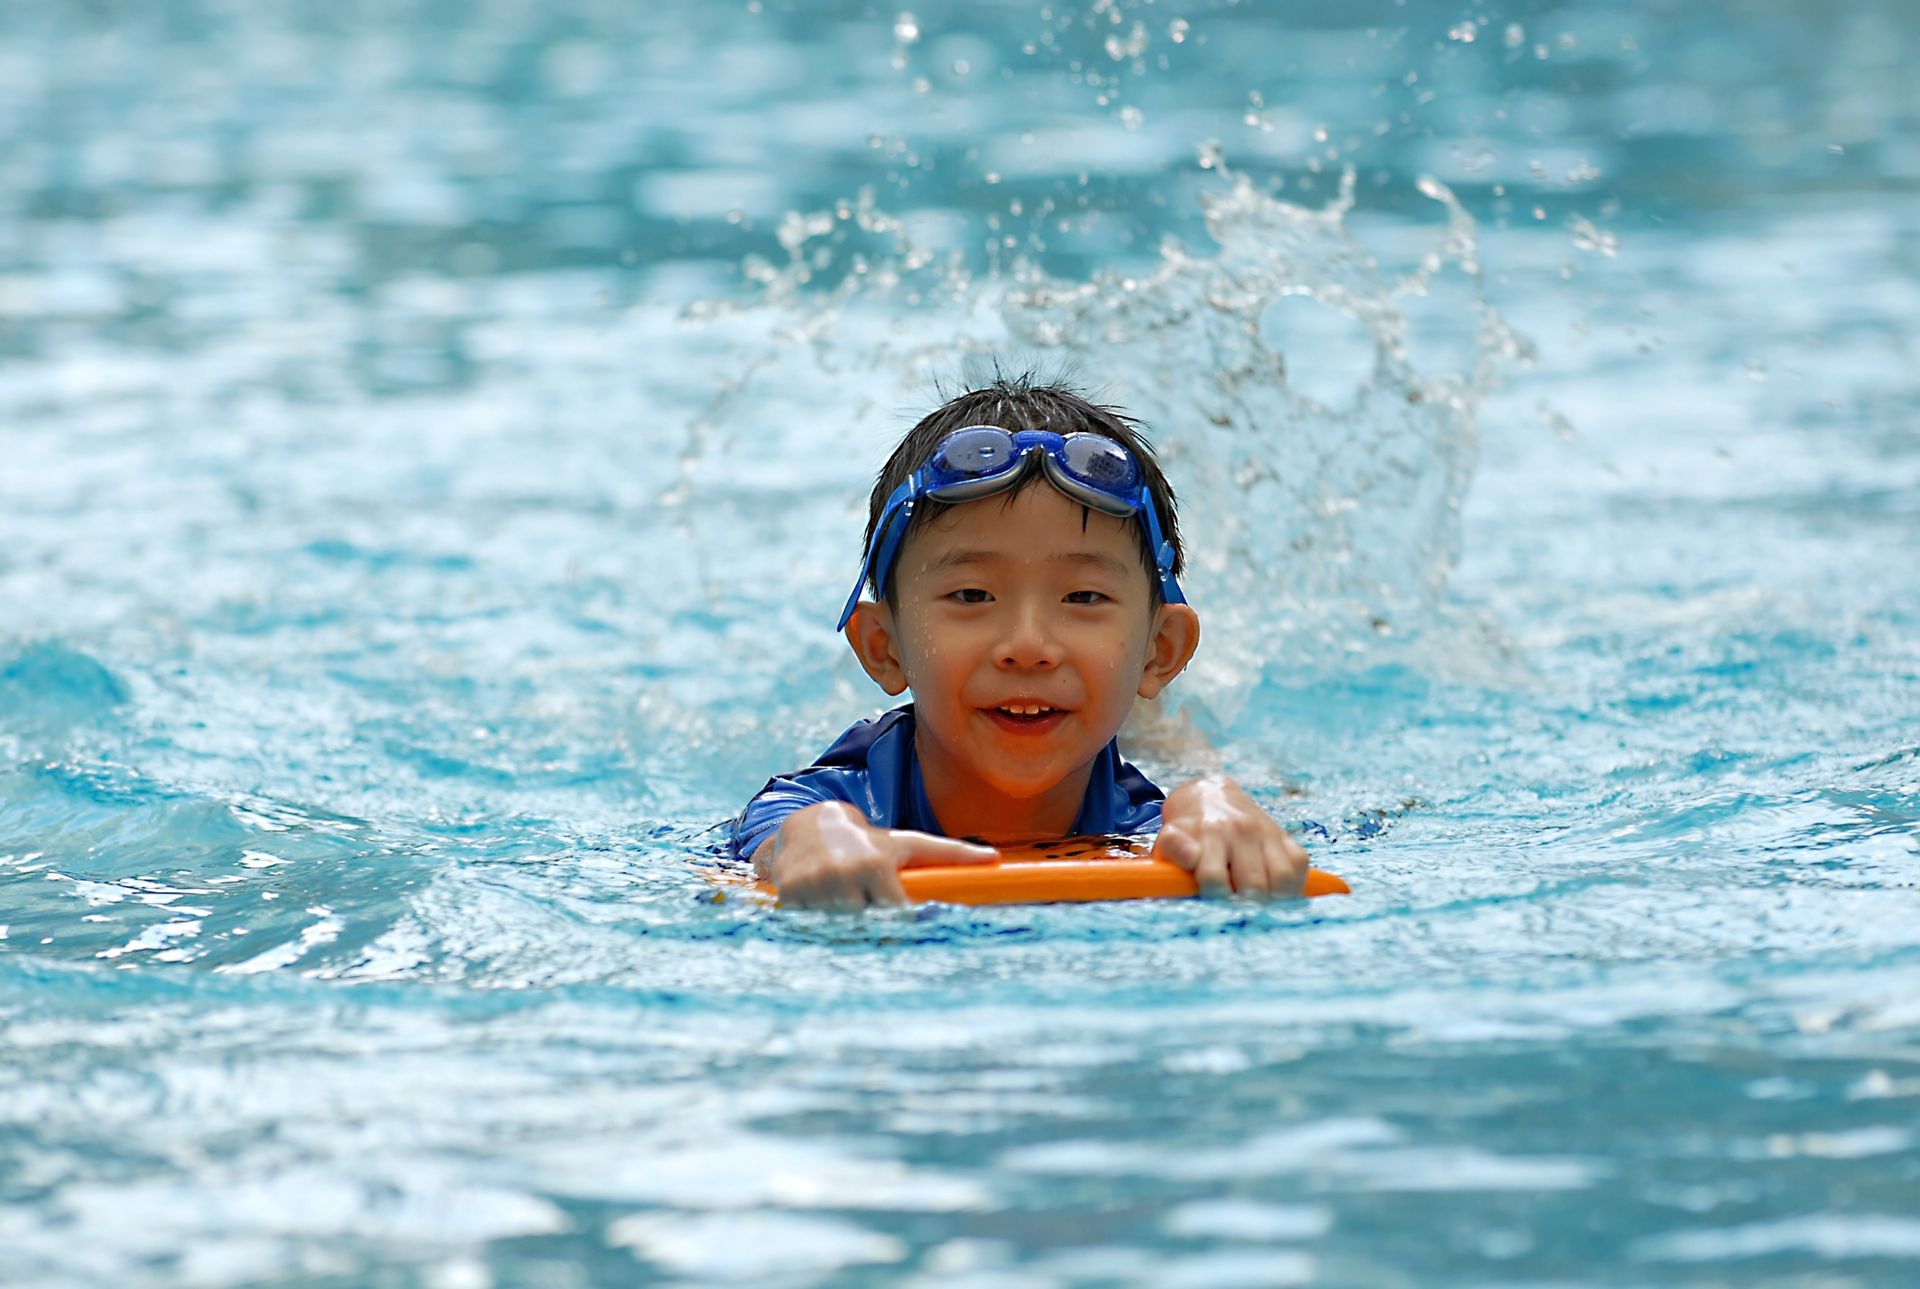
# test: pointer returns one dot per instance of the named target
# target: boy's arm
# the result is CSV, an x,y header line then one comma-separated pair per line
x,y
829,856
1214,830
771,807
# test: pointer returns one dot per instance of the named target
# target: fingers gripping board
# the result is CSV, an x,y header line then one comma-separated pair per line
x,y
1070,869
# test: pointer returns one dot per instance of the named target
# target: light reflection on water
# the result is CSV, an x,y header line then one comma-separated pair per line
x,y
404,560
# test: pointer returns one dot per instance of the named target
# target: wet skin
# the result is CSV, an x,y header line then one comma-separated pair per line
x,y
1008,604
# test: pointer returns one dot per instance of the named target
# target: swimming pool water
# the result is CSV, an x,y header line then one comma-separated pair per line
x,y
432,450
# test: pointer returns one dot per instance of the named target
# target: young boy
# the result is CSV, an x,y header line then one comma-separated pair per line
x,y
1023,552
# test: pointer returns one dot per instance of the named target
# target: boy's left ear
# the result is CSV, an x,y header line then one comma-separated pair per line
x,y
870,633
1176,634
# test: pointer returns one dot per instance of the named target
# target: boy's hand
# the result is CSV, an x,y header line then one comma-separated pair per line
x,y
829,856
1215,831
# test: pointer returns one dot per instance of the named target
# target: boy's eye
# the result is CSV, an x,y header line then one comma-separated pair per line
x,y
969,595
1093,597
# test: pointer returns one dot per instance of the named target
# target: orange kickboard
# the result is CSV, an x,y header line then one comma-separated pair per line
x,y
1071,869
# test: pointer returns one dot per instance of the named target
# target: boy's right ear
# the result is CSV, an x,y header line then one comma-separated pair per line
x,y
870,633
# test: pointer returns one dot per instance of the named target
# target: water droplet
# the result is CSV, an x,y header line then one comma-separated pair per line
x,y
1134,44
1464,32
906,28
1177,31
1593,239
1555,420
1516,35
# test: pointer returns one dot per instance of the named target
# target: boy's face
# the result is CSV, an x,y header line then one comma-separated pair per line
x,y
1015,604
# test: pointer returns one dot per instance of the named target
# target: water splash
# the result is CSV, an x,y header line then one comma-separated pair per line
x,y
1313,531
1300,515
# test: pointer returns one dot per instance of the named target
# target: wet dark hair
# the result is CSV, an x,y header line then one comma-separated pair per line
x,y
1016,403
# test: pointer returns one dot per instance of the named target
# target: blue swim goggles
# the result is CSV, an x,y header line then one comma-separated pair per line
x,y
980,460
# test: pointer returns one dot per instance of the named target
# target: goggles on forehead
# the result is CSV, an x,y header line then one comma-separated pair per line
x,y
980,460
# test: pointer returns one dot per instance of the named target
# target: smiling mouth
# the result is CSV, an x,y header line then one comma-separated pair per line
x,y
1026,717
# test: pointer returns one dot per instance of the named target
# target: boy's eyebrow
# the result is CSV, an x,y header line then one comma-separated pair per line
x,y
956,558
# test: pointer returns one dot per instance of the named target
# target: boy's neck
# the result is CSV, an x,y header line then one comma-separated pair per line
x,y
967,806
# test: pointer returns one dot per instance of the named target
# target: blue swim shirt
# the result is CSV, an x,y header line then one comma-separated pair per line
x,y
873,766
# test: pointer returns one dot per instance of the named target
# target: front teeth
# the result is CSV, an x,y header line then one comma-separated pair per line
x,y
1025,709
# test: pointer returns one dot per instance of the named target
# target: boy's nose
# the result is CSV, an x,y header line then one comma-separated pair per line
x,y
1030,640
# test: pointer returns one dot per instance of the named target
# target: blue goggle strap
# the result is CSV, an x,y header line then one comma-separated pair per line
x,y
1162,548
886,540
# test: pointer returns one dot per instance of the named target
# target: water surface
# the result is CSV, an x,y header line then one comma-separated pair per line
x,y
434,448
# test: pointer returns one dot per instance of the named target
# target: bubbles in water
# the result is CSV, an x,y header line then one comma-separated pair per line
x,y
906,28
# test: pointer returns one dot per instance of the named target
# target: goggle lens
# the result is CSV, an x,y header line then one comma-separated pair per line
x,y
1101,462
968,454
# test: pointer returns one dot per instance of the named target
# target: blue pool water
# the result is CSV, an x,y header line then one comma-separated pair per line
x,y
432,448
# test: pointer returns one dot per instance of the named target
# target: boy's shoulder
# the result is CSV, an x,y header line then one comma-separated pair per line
x,y
868,767
854,748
